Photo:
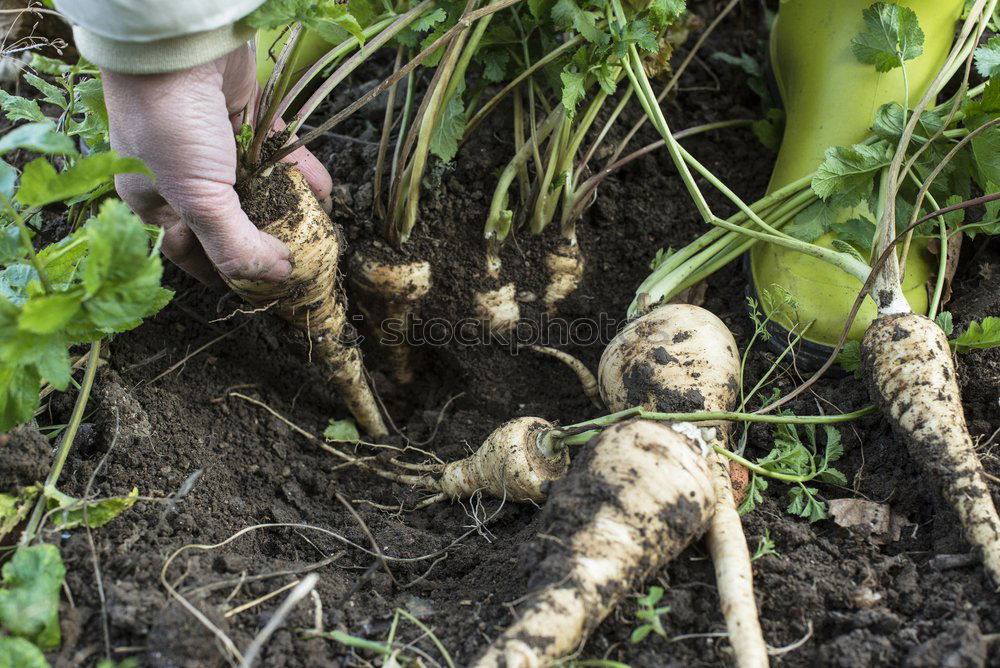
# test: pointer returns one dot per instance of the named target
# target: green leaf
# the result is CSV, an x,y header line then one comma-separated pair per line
x,y
770,129
640,34
834,445
72,513
278,13
411,35
846,175
14,280
19,653
15,509
859,232
813,222
494,64
804,504
986,106
988,58
833,477
8,181
331,20
121,274
50,313
41,184
744,61
572,91
94,127
978,336
11,249
652,597
328,18
568,15
47,65
50,93
29,601
37,137
55,367
640,633
849,357
989,224
662,13
986,149
890,122
449,130
21,109
18,395
945,321
755,496
342,430
244,137
892,35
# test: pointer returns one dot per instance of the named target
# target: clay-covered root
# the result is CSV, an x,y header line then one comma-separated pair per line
x,y
514,463
681,358
387,295
907,363
565,266
639,493
311,298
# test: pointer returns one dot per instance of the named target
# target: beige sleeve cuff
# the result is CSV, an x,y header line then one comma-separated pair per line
x,y
163,55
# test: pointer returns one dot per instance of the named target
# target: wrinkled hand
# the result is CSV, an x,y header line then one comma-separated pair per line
x,y
182,125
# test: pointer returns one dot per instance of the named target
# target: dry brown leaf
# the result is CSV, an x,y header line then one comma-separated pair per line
x,y
872,520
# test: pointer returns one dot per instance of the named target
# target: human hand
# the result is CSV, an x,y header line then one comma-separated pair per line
x,y
182,125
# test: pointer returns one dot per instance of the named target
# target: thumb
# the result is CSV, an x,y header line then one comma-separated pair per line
x,y
234,244
311,168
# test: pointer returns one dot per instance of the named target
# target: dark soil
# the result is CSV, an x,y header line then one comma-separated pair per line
x,y
209,464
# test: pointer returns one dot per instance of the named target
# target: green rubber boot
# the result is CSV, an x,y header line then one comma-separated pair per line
x,y
830,99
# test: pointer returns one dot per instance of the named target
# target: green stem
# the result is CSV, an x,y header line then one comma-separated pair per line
x,y
647,98
498,220
577,434
409,203
730,247
760,470
491,104
66,443
27,245
376,35
584,191
846,263
716,233
777,361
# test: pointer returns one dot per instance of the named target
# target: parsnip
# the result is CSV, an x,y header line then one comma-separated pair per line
x,y
680,358
498,309
910,374
565,265
513,463
640,492
311,298
387,295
